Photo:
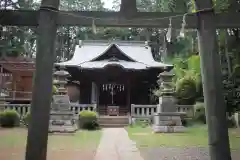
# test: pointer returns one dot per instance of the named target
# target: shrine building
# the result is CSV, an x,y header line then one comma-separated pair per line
x,y
114,74
16,74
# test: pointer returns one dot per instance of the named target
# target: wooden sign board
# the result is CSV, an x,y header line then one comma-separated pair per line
x,y
113,110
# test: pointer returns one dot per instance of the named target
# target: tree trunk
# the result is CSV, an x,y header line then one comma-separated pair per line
x,y
42,91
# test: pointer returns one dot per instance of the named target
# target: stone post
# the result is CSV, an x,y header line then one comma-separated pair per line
x,y
167,119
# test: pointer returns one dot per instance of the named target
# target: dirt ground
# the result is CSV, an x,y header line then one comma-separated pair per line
x,y
13,147
65,154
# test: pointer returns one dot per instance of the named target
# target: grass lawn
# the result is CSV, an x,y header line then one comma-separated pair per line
x,y
194,136
60,147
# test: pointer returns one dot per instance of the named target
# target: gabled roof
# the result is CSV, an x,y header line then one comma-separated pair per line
x,y
85,55
109,51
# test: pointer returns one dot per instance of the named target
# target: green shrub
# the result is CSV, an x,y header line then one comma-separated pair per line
x,y
54,90
9,118
26,119
142,122
88,120
186,90
199,113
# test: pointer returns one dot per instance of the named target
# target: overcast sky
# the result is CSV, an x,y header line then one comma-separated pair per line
x,y
108,3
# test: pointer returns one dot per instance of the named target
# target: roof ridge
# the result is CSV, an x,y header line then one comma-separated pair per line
x,y
110,42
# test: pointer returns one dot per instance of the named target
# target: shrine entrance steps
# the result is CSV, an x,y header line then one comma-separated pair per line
x,y
123,110
113,121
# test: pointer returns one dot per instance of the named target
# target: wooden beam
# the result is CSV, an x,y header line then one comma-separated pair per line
x,y
115,19
42,90
212,84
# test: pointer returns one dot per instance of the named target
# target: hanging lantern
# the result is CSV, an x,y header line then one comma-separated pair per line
x,y
169,32
94,28
182,32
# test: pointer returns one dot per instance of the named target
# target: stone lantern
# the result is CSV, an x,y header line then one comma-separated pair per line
x,y
167,92
62,118
60,80
167,119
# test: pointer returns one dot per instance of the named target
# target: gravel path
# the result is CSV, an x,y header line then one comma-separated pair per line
x,y
193,153
116,145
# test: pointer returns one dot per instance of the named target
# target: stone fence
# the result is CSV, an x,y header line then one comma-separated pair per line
x,y
23,109
146,111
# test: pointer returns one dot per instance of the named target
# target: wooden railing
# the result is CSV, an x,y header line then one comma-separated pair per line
x,y
146,111
23,109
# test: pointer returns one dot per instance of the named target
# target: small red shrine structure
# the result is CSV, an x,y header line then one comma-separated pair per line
x,y
16,75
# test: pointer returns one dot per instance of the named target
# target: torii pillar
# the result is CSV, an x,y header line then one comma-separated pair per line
x,y
212,82
42,91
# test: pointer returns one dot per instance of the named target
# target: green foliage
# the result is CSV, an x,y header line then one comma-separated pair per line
x,y
26,118
199,113
88,120
9,118
187,66
188,79
54,89
141,123
232,91
193,63
180,67
87,113
186,90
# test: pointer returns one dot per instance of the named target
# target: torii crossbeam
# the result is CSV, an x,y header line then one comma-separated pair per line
x,y
117,19
48,18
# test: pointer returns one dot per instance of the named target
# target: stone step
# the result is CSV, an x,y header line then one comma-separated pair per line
x,y
113,125
113,121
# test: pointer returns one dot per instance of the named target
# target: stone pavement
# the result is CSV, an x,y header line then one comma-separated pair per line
x,y
116,145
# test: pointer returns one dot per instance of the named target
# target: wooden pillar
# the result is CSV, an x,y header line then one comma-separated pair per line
x,y
212,83
129,95
79,97
94,93
98,91
42,91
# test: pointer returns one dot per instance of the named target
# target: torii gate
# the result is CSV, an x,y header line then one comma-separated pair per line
x,y
48,18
